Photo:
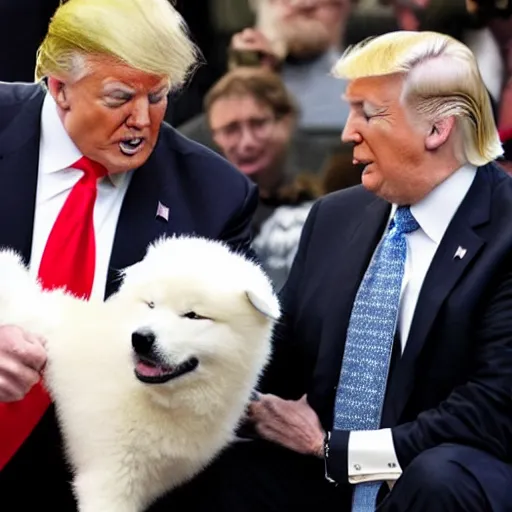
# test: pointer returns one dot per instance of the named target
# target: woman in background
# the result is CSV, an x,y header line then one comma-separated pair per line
x,y
252,117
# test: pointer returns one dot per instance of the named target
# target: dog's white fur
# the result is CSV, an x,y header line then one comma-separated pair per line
x,y
127,441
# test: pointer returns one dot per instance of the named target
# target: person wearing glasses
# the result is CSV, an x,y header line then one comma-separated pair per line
x,y
252,117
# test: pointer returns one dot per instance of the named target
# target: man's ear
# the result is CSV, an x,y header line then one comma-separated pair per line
x,y
57,89
439,133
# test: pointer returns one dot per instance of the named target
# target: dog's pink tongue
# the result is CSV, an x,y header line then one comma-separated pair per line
x,y
149,370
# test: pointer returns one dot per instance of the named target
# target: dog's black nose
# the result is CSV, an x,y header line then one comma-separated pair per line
x,y
142,342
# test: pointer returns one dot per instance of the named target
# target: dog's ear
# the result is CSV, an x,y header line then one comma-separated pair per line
x,y
267,304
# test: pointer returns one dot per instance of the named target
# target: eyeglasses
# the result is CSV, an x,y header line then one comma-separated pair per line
x,y
260,128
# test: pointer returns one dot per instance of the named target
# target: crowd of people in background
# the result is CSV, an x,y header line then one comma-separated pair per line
x,y
293,45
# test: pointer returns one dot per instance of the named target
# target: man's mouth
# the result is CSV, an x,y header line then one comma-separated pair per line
x,y
130,147
362,165
356,161
153,371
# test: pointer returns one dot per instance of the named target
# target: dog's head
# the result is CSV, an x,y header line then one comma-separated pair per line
x,y
198,311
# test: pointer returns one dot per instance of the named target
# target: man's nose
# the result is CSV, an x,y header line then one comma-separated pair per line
x,y
349,134
139,117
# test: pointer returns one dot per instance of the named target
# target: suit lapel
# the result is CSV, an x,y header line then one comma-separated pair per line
x,y
345,274
444,272
19,161
156,183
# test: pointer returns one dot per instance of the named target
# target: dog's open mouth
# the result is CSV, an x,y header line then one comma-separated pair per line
x,y
153,371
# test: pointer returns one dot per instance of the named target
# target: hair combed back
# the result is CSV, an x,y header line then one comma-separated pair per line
x,y
148,35
263,85
441,80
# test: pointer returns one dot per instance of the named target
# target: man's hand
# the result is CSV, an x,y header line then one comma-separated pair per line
x,y
22,357
252,40
292,424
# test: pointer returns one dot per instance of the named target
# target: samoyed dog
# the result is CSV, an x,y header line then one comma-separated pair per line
x,y
150,385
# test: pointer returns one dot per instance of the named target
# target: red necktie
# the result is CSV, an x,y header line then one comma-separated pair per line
x,y
68,261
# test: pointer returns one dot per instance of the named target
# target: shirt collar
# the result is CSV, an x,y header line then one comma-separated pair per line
x,y
57,152
435,211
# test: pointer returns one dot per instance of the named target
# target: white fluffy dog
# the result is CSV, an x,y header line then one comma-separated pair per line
x,y
150,385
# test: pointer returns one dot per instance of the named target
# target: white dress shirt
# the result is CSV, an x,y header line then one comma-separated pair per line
x,y
56,178
371,454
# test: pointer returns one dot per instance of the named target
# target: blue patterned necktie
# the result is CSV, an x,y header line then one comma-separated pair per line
x,y
370,334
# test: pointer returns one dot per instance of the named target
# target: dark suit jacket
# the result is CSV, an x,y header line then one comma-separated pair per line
x,y
206,196
453,382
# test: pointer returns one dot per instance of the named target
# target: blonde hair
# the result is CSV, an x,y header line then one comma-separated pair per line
x,y
441,80
148,35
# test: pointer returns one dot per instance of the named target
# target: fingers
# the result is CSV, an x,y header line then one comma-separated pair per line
x,y
255,396
16,381
22,357
30,352
267,406
34,339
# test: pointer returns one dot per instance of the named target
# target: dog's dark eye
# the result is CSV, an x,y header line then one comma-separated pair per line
x,y
194,316
151,305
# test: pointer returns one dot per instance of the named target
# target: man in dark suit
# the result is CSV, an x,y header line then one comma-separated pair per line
x,y
391,380
88,139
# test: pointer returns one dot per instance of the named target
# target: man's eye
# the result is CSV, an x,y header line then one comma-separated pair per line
x,y
155,98
117,99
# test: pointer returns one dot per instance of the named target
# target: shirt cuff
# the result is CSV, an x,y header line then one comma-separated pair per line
x,y
372,457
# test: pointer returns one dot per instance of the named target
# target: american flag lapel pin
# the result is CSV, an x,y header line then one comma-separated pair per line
x,y
460,253
162,212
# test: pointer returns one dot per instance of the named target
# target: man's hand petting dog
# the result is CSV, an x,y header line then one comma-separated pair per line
x,y
22,358
290,423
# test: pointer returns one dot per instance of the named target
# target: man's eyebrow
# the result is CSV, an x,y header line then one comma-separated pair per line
x,y
372,108
117,86
162,88
366,105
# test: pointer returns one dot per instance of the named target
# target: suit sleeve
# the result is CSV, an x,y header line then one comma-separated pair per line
x,y
238,231
479,412
284,376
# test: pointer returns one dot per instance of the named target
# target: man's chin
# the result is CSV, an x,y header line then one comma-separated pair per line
x,y
307,41
370,181
307,50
